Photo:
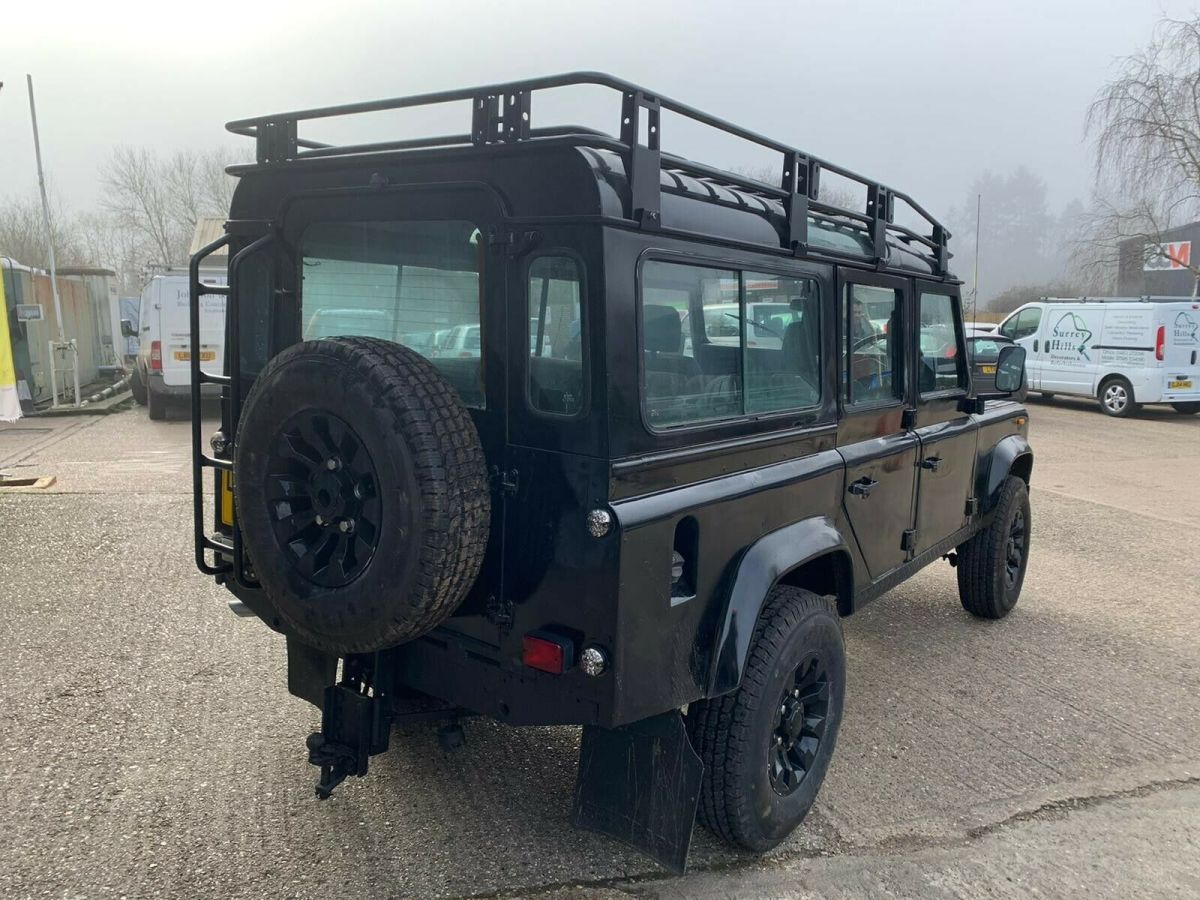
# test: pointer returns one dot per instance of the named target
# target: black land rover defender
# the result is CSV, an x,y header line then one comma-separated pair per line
x,y
550,425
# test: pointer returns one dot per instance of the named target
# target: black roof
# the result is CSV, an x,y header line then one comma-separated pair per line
x,y
618,176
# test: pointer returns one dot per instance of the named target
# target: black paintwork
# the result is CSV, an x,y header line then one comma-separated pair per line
x,y
844,500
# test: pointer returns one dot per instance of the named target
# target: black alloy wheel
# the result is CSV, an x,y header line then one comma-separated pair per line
x,y
324,496
1014,552
799,727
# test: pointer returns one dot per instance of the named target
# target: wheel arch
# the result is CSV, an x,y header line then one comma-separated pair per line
x,y
1011,455
811,554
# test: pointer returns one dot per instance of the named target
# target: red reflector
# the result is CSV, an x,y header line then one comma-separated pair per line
x,y
951,352
156,354
546,653
1160,342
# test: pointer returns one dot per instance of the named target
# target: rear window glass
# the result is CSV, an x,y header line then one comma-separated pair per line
x,y
415,283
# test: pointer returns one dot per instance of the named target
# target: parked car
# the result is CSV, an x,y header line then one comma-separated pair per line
x,y
983,354
1124,351
653,537
162,374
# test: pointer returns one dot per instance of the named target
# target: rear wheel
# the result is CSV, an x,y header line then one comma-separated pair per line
x,y
137,387
767,745
1116,397
991,565
1188,409
1047,395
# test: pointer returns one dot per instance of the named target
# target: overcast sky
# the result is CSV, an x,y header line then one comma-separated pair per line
x,y
921,95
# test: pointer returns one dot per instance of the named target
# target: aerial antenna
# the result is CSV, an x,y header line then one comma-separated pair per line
x,y
975,287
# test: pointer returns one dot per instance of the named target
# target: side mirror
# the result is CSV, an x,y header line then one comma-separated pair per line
x,y
128,329
1010,369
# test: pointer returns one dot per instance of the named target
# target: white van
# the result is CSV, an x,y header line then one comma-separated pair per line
x,y
162,375
1124,351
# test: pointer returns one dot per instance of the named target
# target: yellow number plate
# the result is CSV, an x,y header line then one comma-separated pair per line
x,y
226,498
988,370
1180,383
205,355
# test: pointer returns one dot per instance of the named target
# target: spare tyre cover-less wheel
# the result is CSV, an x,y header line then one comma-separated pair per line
x,y
362,492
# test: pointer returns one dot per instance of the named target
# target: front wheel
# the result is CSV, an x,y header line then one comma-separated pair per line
x,y
991,565
1188,409
1116,398
766,746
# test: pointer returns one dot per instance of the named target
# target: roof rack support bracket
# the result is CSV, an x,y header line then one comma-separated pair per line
x,y
275,141
881,208
800,179
645,160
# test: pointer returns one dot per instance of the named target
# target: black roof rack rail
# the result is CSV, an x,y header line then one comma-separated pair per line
x,y
502,114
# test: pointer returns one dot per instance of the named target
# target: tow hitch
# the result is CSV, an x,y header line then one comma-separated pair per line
x,y
357,715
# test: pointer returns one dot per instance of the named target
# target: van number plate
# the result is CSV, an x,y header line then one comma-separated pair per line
x,y
1179,383
205,355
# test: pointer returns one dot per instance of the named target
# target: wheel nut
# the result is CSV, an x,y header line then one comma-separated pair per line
x,y
333,464
347,526
320,520
796,692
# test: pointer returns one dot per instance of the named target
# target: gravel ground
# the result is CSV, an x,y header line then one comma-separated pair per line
x,y
152,750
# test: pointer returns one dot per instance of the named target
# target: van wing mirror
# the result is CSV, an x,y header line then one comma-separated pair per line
x,y
128,329
1010,369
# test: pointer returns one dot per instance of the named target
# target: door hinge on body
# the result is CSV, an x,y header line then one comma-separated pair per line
x,y
973,506
908,541
506,481
515,243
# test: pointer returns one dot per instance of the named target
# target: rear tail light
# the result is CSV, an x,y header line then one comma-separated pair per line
x,y
1160,342
547,652
951,352
156,355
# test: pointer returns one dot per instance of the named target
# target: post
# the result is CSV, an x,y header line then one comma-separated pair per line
x,y
62,334
975,287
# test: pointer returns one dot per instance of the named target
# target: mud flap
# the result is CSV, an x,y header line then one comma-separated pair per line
x,y
641,784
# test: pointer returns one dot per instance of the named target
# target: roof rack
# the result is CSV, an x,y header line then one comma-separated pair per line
x,y
501,114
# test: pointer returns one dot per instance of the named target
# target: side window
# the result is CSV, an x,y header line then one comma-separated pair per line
x,y
874,355
1027,322
940,366
1009,327
555,372
718,343
690,312
781,355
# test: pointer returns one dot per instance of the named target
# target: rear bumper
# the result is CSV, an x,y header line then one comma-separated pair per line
x,y
156,385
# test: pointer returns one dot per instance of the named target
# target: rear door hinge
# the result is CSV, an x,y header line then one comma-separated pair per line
x,y
973,506
908,540
506,481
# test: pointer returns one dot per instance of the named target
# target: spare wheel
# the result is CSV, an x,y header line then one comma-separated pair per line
x,y
362,492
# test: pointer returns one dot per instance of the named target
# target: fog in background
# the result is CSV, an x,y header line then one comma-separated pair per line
x,y
938,99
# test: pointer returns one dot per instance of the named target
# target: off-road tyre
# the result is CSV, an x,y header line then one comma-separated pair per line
x,y
137,387
1187,409
1116,397
735,733
156,405
989,583
410,478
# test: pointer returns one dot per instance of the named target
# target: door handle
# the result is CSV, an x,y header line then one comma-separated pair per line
x,y
1035,345
933,463
863,487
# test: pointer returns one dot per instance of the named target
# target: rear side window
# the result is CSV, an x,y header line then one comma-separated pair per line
x,y
723,343
415,283
874,355
555,373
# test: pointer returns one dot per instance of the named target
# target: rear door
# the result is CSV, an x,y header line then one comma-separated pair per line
x,y
879,450
948,435
176,343
1181,351
407,264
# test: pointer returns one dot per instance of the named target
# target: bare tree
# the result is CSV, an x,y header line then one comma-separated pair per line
x,y
23,233
1146,128
161,199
